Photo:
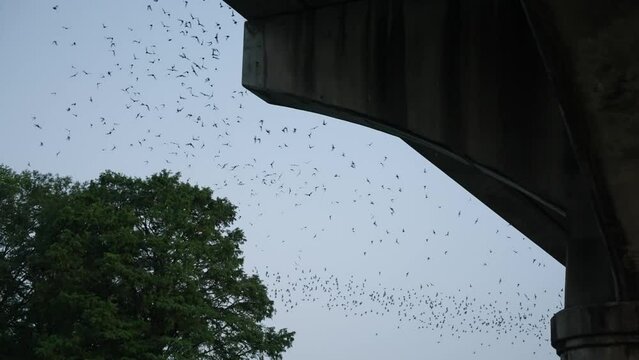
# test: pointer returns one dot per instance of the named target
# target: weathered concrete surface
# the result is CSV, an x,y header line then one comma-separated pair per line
x,y
385,65
532,106
591,51
591,54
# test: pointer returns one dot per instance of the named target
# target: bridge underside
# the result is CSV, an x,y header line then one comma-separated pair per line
x,y
532,106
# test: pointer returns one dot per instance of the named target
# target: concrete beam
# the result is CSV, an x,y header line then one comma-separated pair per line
x,y
591,52
444,76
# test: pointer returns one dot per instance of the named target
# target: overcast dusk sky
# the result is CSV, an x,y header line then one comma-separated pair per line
x,y
368,250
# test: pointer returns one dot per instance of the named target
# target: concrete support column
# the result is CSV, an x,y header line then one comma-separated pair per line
x,y
599,332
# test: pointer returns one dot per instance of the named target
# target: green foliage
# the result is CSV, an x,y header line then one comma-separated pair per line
x,y
126,268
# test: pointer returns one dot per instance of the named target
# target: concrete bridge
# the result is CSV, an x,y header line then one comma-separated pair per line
x,y
531,105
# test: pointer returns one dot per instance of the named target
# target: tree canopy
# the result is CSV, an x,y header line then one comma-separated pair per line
x,y
126,268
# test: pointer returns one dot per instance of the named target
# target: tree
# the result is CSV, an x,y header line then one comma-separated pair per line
x,y
126,268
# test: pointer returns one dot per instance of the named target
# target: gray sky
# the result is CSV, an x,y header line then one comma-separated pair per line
x,y
369,251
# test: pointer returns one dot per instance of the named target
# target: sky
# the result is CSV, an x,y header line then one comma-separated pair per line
x,y
367,249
